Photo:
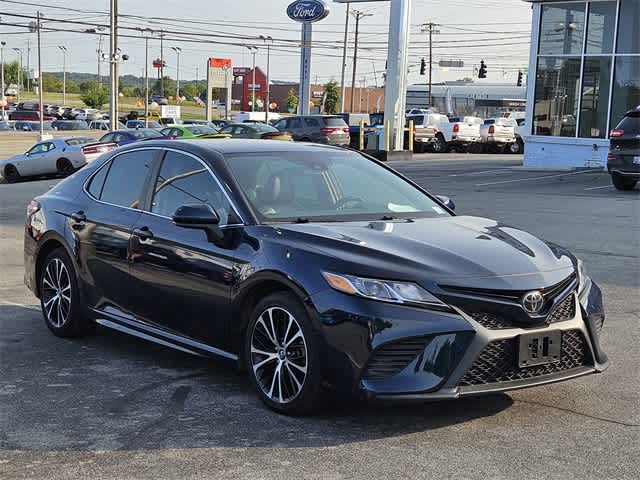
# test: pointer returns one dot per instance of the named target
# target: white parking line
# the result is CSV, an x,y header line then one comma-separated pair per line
x,y
532,178
502,170
596,188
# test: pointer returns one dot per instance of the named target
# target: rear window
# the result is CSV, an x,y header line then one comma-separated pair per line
x,y
265,128
201,130
417,119
125,180
334,122
145,133
630,123
489,121
79,141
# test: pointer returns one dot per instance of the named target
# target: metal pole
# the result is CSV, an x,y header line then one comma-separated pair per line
x,y
430,61
64,73
113,49
146,82
161,69
304,91
266,110
178,75
20,77
40,99
344,57
99,60
4,107
355,60
28,64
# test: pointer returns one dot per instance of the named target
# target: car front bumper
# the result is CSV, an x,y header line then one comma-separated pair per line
x,y
389,352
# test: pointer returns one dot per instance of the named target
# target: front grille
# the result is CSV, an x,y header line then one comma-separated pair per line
x,y
498,362
391,358
566,310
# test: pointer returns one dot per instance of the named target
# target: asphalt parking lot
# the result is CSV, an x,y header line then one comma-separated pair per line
x,y
111,406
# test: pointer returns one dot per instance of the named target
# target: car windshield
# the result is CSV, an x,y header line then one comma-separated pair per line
x,y
264,128
200,129
326,185
334,122
145,133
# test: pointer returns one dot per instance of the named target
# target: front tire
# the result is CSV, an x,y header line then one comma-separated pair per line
x,y
60,297
64,167
282,355
622,183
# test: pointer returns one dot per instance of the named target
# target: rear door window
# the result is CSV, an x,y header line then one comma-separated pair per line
x,y
311,122
630,124
294,123
335,122
126,178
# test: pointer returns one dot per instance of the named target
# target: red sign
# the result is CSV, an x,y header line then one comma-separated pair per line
x,y
220,62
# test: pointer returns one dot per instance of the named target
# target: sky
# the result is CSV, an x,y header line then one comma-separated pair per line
x,y
496,31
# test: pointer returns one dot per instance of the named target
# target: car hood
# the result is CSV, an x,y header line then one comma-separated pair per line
x,y
12,158
461,250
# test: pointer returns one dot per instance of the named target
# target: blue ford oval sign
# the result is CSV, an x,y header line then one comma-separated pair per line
x,y
307,11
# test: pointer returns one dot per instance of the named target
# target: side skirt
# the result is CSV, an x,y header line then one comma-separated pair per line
x,y
156,335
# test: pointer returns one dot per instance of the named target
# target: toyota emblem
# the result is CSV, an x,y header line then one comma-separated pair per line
x,y
533,302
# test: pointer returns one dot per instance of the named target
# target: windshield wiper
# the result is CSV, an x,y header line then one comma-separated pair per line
x,y
302,220
387,218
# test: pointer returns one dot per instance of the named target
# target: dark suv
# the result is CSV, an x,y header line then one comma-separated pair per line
x,y
328,129
623,161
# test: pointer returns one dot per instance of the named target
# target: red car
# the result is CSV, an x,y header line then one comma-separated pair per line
x,y
29,115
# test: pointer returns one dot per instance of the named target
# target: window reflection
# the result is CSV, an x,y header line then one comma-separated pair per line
x,y
562,28
595,97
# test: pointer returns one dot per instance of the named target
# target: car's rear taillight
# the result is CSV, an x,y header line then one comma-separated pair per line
x,y
456,128
100,148
611,158
616,132
492,129
329,131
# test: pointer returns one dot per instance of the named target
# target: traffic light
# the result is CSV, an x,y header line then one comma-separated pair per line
x,y
423,66
519,78
482,73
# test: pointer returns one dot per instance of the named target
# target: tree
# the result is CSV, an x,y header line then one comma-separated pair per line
x,y
332,100
11,70
95,98
51,83
189,90
292,101
127,91
169,87
88,85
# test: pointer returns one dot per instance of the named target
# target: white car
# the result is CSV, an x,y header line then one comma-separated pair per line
x,y
87,114
61,156
431,130
465,134
103,125
498,134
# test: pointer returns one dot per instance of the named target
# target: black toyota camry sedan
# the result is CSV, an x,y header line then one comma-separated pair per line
x,y
314,268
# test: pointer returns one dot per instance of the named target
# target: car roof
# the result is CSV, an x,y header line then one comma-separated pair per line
x,y
225,146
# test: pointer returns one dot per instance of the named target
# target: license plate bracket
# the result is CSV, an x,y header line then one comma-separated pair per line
x,y
539,348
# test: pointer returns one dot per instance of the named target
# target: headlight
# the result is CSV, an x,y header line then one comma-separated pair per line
x,y
384,290
583,278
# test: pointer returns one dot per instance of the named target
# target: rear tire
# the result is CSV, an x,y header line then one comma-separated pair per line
x,y
516,147
11,173
65,167
622,183
439,145
60,297
282,355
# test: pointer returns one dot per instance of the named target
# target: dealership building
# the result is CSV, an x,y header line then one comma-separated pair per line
x,y
584,74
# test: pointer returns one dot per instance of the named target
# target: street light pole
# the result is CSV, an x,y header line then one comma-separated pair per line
x,y
358,14
64,73
113,50
253,49
40,94
20,79
177,50
2,97
267,40
146,82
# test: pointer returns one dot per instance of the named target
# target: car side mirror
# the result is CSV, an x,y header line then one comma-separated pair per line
x,y
447,202
200,217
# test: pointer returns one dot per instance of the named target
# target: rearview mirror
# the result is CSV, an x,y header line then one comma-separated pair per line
x,y
200,217
447,202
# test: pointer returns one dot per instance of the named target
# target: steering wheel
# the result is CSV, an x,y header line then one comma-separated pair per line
x,y
343,202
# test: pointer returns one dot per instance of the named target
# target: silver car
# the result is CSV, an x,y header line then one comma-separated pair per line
x,y
61,156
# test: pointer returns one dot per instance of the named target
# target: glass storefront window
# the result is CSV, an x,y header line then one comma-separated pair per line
x,y
629,27
626,87
601,27
595,97
556,96
562,28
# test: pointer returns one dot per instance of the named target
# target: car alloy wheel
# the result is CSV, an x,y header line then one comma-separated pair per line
x,y
56,293
65,167
11,173
279,356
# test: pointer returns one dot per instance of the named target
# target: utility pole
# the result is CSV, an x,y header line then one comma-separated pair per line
x,y
430,28
177,50
113,65
64,73
161,70
40,99
268,40
358,15
146,82
2,97
28,65
344,57
253,49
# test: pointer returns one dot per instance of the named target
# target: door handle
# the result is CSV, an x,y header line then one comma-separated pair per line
x,y
143,233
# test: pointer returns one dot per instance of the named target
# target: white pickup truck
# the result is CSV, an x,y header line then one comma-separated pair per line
x,y
465,134
431,131
498,134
